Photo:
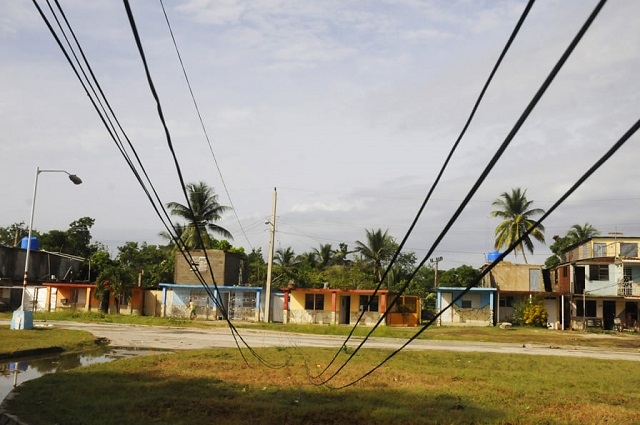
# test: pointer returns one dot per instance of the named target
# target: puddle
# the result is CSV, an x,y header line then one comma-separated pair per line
x,y
13,373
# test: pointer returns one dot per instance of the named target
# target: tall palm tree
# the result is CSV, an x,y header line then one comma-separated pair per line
x,y
579,233
379,247
518,215
201,217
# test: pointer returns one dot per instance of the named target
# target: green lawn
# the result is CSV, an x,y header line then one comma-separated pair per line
x,y
218,386
17,343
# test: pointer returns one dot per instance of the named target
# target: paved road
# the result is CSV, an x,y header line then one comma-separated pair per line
x,y
170,338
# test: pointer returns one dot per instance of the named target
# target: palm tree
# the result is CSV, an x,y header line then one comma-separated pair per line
x,y
287,262
517,213
579,233
379,247
325,255
204,212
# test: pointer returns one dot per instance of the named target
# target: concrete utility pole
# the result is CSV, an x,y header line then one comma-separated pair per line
x,y
272,223
435,278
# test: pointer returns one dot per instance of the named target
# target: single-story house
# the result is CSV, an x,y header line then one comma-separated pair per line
x,y
475,308
240,302
334,306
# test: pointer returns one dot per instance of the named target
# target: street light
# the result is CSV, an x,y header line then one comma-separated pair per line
x,y
22,318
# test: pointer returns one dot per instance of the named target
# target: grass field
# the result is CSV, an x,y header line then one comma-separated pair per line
x,y
219,387
282,386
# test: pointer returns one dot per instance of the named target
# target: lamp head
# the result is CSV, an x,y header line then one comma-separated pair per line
x,y
75,179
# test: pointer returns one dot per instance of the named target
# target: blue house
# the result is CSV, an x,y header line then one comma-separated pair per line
x,y
240,302
475,308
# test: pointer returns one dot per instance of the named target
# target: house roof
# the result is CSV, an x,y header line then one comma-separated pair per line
x,y
462,288
220,287
342,291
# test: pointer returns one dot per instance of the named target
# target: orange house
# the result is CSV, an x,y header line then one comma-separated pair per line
x,y
81,297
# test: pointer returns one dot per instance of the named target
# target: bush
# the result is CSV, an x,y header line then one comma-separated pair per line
x,y
530,312
535,315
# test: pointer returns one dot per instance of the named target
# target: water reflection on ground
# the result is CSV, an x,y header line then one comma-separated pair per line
x,y
15,372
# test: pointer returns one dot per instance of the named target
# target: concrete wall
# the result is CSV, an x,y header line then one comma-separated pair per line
x,y
507,276
228,268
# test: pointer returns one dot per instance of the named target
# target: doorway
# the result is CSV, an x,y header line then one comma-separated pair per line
x,y
631,317
345,310
608,314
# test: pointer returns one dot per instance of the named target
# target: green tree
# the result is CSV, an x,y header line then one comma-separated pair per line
x,y
114,281
377,249
257,267
150,263
576,234
286,264
201,218
580,233
325,255
517,213
462,276
79,237
13,234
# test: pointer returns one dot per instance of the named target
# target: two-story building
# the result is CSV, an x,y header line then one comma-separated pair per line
x,y
518,282
601,275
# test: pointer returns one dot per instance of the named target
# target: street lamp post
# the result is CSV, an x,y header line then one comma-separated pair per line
x,y
22,318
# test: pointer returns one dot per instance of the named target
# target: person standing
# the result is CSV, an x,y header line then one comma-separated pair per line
x,y
192,310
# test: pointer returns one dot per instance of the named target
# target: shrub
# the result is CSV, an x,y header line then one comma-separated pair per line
x,y
530,312
535,315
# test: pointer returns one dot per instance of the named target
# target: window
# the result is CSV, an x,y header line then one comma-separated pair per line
x,y
628,276
628,249
368,303
249,300
466,304
599,249
598,272
506,301
590,306
314,302
565,271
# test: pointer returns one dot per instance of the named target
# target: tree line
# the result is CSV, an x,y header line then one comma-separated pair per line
x,y
360,267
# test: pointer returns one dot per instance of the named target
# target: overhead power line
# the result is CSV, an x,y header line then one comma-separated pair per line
x,y
512,37
545,85
204,129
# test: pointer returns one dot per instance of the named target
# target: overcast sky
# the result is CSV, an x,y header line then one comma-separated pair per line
x,y
348,108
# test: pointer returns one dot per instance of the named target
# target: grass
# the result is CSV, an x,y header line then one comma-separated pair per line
x,y
217,386
40,340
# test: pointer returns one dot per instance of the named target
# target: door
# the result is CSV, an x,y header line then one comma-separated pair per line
x,y
631,317
608,314
345,310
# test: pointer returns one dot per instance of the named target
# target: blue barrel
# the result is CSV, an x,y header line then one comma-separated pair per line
x,y
493,256
35,243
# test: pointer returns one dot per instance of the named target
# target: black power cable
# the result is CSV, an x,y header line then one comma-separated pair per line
x,y
506,48
154,93
204,130
523,117
616,146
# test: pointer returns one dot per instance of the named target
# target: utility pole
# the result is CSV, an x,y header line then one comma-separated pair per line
x,y
435,279
272,223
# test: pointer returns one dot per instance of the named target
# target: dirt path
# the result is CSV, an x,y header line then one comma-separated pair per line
x,y
169,338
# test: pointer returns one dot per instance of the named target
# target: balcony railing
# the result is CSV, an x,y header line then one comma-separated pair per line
x,y
628,288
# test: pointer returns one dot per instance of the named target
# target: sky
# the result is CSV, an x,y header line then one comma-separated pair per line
x,y
348,108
